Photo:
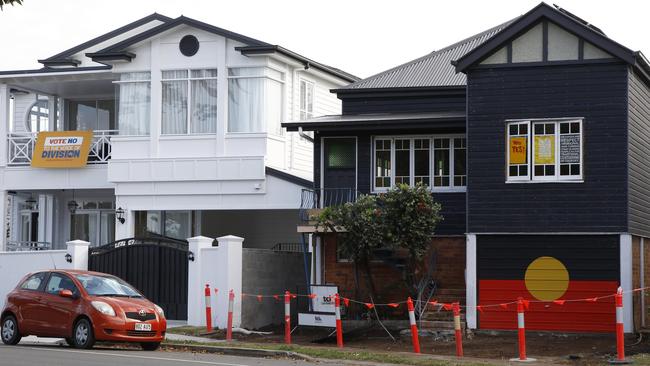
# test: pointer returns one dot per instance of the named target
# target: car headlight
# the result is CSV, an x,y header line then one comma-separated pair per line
x,y
103,308
160,310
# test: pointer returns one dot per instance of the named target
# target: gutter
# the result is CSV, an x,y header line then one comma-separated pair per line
x,y
307,63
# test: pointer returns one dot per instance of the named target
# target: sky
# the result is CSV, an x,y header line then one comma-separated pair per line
x,y
362,37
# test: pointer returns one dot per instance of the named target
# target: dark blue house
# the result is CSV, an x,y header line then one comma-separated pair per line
x,y
534,136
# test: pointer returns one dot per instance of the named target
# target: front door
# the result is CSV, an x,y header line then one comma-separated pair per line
x,y
339,170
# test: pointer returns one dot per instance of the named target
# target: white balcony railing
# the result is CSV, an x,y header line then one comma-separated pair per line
x,y
25,246
21,147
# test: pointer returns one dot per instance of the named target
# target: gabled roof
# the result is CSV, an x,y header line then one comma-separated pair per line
x,y
253,46
559,16
64,58
432,70
182,20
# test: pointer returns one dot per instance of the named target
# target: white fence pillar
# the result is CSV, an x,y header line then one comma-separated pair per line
x,y
195,283
78,249
229,272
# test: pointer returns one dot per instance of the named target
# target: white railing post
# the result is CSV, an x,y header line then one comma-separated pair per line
x,y
4,123
78,249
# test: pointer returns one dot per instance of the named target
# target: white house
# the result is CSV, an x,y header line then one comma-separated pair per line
x,y
186,137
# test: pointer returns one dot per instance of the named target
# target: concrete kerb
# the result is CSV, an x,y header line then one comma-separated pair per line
x,y
239,351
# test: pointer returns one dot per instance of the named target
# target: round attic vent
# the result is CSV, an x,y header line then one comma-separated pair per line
x,y
189,45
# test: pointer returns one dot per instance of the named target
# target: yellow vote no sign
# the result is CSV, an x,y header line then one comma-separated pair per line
x,y
62,149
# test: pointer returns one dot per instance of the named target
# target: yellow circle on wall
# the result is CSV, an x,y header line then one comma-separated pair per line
x,y
547,279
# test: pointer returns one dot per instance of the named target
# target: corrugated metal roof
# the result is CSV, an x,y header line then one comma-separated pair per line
x,y
434,69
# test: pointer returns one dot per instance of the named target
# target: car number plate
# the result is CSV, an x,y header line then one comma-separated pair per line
x,y
143,327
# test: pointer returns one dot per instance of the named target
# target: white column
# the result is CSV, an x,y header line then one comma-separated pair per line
x,y
78,249
626,281
195,283
46,219
229,264
4,122
470,281
156,98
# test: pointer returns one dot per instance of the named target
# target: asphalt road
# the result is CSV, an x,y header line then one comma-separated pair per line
x,y
47,355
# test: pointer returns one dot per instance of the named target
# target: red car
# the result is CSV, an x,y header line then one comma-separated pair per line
x,y
82,307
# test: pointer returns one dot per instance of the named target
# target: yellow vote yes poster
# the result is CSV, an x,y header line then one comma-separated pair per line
x,y
62,149
544,149
518,150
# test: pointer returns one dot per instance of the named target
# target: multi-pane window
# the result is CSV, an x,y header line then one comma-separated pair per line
x,y
255,100
383,166
435,161
544,150
306,99
134,103
518,143
189,101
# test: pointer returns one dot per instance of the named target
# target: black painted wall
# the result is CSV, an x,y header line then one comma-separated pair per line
x,y
639,155
586,257
404,101
596,92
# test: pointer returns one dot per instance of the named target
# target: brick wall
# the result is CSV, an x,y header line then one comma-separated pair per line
x,y
636,281
449,274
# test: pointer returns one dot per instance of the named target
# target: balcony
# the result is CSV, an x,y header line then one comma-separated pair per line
x,y
312,201
21,147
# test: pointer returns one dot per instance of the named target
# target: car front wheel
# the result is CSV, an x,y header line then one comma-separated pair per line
x,y
10,333
150,346
83,336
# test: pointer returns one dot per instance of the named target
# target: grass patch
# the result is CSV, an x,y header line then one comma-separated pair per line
x,y
641,359
351,355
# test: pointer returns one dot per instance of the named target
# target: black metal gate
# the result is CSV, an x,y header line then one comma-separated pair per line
x,y
155,266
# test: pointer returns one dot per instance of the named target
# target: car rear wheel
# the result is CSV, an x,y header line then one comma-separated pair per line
x,y
83,336
150,346
10,333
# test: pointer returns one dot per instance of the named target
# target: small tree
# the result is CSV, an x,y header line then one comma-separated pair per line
x,y
359,232
411,217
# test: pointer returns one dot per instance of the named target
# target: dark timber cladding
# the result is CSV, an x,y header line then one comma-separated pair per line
x,y
453,204
639,155
406,100
548,268
597,92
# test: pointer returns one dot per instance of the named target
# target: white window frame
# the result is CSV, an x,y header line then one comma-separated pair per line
x,y
431,138
308,114
281,80
189,80
118,97
556,178
522,178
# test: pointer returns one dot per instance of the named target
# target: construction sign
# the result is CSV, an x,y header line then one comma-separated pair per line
x,y
62,149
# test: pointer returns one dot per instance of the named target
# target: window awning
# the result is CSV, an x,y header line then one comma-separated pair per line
x,y
379,120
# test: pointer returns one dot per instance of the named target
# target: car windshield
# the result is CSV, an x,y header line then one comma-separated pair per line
x,y
106,286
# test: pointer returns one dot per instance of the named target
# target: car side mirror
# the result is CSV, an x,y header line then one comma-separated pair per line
x,y
66,293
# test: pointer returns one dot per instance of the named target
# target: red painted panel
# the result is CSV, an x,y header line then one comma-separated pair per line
x,y
579,316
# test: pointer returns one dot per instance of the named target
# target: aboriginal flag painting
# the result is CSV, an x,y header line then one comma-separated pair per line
x,y
550,271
